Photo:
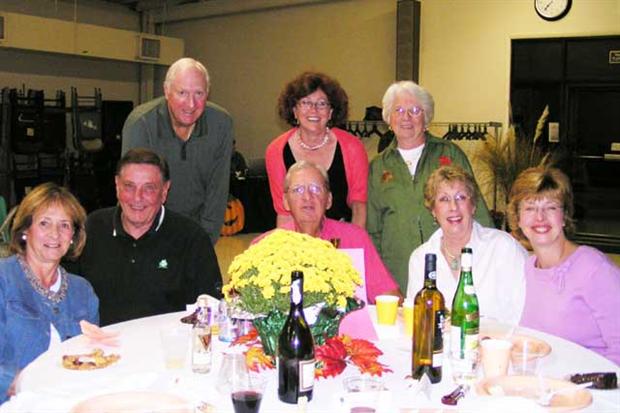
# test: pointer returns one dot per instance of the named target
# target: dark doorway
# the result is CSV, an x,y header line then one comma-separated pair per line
x,y
577,78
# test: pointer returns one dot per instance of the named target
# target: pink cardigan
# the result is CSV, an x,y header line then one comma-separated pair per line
x,y
355,166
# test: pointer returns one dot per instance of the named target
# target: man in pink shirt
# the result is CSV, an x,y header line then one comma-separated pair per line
x,y
307,196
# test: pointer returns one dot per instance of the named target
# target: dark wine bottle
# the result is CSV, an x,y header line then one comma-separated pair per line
x,y
428,311
295,349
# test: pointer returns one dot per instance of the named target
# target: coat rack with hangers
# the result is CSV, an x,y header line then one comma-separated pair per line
x,y
455,130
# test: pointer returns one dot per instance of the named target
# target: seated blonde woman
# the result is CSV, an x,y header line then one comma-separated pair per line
x,y
451,194
307,196
572,291
41,304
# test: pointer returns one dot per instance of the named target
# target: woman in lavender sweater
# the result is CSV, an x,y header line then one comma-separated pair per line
x,y
572,291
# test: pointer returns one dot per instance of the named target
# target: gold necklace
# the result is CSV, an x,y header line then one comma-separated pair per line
x,y
315,147
453,261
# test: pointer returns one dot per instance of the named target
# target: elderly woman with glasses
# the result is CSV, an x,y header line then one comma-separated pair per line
x,y
572,291
314,104
40,303
450,194
307,196
397,220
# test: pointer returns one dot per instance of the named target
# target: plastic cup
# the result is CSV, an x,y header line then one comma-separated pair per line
x,y
387,308
174,343
495,357
408,317
525,357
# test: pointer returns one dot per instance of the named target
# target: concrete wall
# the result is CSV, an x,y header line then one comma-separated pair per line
x,y
464,62
465,54
50,72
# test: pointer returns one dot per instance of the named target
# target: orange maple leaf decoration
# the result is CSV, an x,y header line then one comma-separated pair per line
x,y
331,358
256,359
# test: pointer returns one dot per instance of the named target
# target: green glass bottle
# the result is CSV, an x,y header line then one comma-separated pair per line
x,y
465,324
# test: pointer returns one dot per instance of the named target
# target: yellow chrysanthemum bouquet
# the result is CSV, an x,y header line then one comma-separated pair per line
x,y
260,279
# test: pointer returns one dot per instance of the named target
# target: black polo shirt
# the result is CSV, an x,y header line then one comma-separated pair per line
x,y
161,272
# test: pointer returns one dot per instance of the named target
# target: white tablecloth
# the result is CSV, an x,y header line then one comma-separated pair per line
x,y
45,386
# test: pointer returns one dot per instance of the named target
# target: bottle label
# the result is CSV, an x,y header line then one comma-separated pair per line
x,y
466,260
201,358
432,275
296,291
306,375
438,359
469,290
462,345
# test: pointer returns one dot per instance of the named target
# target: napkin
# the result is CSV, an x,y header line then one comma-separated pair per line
x,y
358,324
97,335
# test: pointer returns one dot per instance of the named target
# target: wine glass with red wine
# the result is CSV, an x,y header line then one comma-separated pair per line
x,y
247,393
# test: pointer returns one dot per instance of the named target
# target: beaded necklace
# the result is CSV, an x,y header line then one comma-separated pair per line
x,y
54,297
315,147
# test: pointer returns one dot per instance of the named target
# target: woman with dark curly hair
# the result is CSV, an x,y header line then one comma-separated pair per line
x,y
572,291
314,105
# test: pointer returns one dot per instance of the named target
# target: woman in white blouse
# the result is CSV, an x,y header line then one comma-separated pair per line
x,y
450,194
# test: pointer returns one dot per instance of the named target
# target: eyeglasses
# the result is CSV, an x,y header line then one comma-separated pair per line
x,y
458,198
299,190
546,210
320,105
413,111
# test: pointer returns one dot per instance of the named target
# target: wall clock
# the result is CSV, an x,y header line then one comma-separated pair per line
x,y
552,9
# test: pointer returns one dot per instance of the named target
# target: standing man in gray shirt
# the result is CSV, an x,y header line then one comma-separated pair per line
x,y
195,137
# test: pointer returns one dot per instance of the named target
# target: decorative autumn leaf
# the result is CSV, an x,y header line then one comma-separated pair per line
x,y
362,348
249,338
256,359
369,365
364,355
330,357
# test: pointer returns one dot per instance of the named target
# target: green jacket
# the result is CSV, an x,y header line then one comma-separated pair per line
x,y
397,220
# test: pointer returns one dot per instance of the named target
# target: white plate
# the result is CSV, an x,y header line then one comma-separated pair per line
x,y
134,402
530,387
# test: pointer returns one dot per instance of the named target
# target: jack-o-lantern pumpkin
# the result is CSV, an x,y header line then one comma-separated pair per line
x,y
234,218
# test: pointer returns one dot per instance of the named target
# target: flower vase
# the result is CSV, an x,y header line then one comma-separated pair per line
x,y
324,322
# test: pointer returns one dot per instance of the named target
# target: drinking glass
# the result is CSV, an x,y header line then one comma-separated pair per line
x,y
246,392
232,369
363,394
174,342
525,358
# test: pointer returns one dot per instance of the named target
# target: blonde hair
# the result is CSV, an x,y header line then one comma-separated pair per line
x,y
536,183
40,198
449,174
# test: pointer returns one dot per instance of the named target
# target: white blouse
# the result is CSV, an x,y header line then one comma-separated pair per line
x,y
497,268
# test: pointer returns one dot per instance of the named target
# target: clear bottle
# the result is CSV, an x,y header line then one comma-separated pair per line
x,y
428,315
225,324
201,337
296,349
465,324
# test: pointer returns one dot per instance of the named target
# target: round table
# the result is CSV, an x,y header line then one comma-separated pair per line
x,y
46,386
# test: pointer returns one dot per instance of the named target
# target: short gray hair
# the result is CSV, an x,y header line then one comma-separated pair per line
x,y
412,89
186,63
300,165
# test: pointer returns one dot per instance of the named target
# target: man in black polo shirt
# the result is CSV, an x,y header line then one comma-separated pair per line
x,y
141,258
